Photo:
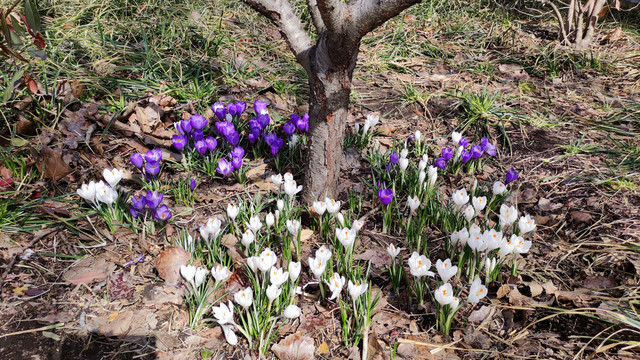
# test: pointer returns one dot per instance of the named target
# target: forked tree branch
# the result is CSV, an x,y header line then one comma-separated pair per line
x,y
369,14
312,6
331,12
284,18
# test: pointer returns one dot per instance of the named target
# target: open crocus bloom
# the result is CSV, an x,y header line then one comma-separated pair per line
x,y
112,176
356,289
477,291
336,283
446,270
419,265
460,197
244,297
444,294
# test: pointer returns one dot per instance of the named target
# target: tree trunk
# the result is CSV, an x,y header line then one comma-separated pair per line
x,y
330,88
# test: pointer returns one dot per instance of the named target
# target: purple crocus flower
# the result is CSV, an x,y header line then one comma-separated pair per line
x,y
192,184
237,152
263,120
138,202
441,163
260,107
197,135
153,199
276,146
219,110
236,162
465,156
241,106
137,160
133,212
303,124
511,175
476,151
199,122
270,138
447,154
252,139
385,196
211,143
463,142
394,157
289,128
179,142
152,168
202,148
184,127
224,167
162,213
488,147
233,138
153,156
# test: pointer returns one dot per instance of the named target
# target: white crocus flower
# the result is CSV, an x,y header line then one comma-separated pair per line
x,y
432,175
469,213
476,242
459,152
188,272
247,237
293,226
269,220
323,253
413,203
498,188
417,136
393,251
105,193
291,188
232,211
211,229
88,191
201,275
273,291
280,204
244,297
220,273
508,215
319,207
277,277
276,179
463,236
455,137
477,291
293,141
526,224
404,153
332,205
507,246
460,197
357,225
294,270
288,177
479,203
493,239
267,259
403,163
419,265
444,294
340,219
421,176
474,229
252,262
224,316
346,236
521,245
455,302
112,176
336,283
317,266
454,238
446,270
254,224
356,289
292,311
489,265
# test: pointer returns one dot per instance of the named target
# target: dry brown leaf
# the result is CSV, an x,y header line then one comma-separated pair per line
x,y
256,173
52,166
503,291
323,348
479,315
295,347
378,258
169,261
376,351
535,288
549,288
89,269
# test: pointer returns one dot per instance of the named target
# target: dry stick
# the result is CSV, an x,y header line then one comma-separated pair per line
x,y
15,258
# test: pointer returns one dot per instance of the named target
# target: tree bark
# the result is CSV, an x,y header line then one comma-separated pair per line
x,y
330,87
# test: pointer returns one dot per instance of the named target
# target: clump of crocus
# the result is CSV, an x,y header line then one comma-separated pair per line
x,y
199,291
107,193
149,164
148,209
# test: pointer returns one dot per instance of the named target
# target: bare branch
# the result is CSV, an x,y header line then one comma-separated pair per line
x,y
332,12
556,11
369,14
284,18
312,5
